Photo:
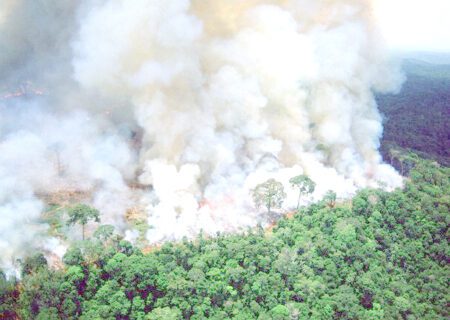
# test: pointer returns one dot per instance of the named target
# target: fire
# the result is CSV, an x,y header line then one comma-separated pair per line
x,y
65,196
213,205
25,89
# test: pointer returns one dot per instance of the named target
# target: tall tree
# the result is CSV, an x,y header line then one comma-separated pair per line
x,y
104,232
304,185
82,214
330,198
270,194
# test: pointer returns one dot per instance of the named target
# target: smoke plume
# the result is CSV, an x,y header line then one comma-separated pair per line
x,y
179,108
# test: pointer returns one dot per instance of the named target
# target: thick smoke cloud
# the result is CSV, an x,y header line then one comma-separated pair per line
x,y
195,102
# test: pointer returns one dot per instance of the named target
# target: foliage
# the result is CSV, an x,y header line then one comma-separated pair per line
x,y
33,264
304,185
53,216
269,194
104,232
73,257
384,257
81,214
330,198
418,117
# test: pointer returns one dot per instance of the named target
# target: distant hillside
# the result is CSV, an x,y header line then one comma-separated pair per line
x,y
429,57
418,117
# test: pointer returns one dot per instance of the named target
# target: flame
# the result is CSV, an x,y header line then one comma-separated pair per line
x,y
214,205
25,89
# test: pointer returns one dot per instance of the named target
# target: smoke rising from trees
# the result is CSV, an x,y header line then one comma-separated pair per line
x,y
197,102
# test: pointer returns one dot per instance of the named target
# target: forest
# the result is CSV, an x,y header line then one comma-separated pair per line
x,y
217,159
379,256
417,118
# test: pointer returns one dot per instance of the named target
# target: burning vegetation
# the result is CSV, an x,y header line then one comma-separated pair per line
x,y
165,115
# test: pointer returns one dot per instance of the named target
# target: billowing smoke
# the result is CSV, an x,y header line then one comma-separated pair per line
x,y
179,108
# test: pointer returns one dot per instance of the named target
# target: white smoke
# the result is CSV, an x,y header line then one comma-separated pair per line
x,y
197,101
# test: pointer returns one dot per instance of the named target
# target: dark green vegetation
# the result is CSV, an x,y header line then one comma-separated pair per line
x,y
382,256
419,117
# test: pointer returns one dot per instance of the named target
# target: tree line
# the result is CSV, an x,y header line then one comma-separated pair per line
x,y
379,256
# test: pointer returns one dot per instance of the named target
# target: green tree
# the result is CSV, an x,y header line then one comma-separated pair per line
x,y
48,314
104,232
383,256
330,198
165,313
279,312
81,214
304,185
34,263
73,256
270,194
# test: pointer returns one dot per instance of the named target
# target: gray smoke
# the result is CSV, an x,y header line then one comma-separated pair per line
x,y
194,101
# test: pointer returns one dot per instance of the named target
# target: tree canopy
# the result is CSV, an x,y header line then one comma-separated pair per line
x,y
379,256
304,185
82,214
269,194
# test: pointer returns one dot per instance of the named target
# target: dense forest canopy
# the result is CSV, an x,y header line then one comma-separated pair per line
x,y
418,118
377,255
380,256
171,111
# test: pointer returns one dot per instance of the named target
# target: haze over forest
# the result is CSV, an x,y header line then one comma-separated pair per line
x,y
176,159
173,112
